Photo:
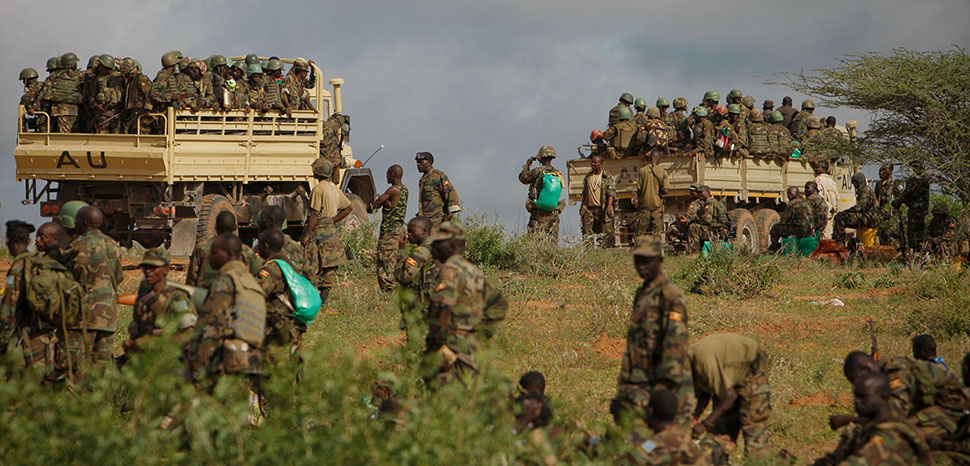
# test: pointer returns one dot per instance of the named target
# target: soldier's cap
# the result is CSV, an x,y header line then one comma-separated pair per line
x,y
156,258
321,167
648,246
449,230
424,156
301,63
769,104
887,166
693,187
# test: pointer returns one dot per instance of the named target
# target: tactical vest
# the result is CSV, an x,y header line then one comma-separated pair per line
x,y
624,135
67,87
779,141
273,97
249,307
758,139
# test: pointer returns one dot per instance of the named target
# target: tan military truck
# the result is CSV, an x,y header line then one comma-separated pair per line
x,y
169,187
753,189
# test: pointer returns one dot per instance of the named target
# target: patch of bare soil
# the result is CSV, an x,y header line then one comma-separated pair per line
x,y
609,348
384,341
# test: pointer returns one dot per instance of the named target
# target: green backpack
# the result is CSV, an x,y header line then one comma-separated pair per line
x,y
306,298
51,291
548,198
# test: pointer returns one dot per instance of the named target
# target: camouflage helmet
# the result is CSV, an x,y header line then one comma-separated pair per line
x,y
126,65
700,111
69,211
625,114
734,108
808,104
449,230
734,93
712,95
252,59
626,98
321,167
263,63
777,117
254,69
53,63
93,61
662,102
768,104
812,122
648,246
155,257
747,101
941,209
300,63
653,112
546,152
27,73
756,115
169,59
640,103
680,103
68,60
177,53
274,65
217,60
107,61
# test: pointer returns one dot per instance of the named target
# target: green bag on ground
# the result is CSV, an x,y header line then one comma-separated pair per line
x,y
51,291
548,198
306,298
789,246
807,244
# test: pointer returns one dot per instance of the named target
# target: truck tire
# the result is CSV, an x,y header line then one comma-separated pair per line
x,y
746,238
765,219
210,207
358,214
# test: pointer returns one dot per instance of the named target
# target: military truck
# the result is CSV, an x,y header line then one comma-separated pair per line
x,y
168,188
752,189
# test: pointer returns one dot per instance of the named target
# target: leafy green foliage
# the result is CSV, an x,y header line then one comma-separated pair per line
x,y
944,297
361,245
724,272
486,244
850,280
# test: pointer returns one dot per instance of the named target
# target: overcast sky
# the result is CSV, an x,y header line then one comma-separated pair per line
x,y
482,85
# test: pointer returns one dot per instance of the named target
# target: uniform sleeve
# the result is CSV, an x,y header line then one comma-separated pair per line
x,y
8,307
342,201
448,195
253,260
410,268
674,361
268,277
528,175
878,450
195,267
609,185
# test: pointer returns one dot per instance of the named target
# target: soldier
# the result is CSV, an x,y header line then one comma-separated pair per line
x,y
284,332
865,213
916,196
335,130
941,234
779,138
662,105
257,93
703,133
273,86
13,309
710,223
678,121
235,88
652,185
418,270
105,99
656,341
883,438
97,268
887,189
710,100
597,145
653,135
671,443
732,369
626,99
596,208
324,250
230,331
768,107
543,213
924,349
64,93
734,97
167,89
739,129
722,131
621,135
198,92
215,80
679,233
812,134
798,127
831,132
162,308
394,205
797,220
819,207
464,311
747,105
640,105
829,191
137,101
274,217
758,143
787,111
437,198
295,84
199,273
30,99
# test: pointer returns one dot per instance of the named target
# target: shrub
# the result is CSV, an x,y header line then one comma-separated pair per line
x,y
487,245
943,299
850,280
361,245
724,272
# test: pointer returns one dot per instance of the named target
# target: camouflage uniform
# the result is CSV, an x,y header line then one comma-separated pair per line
x,y
865,213
97,268
798,220
941,234
464,311
678,122
929,395
325,252
651,179
616,134
330,143
157,315
136,103
704,137
640,118
200,93
779,141
238,94
799,126
886,192
739,133
437,197
284,333
201,274
292,90
295,255
916,196
274,94
215,83
819,211
669,447
594,217
167,89
233,314
31,101
418,270
888,440
656,350
37,336
64,95
105,102
615,113
710,223
257,97
541,221
392,230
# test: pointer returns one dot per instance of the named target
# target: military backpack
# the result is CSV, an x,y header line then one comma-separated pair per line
x,y
51,291
654,134
758,139
249,309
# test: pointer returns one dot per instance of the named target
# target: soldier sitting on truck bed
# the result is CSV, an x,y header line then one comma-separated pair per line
x,y
295,84
703,133
622,135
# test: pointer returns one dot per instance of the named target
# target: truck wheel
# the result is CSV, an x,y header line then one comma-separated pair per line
x,y
212,204
765,219
358,214
746,237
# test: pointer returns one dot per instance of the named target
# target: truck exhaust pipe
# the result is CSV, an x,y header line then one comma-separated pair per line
x,y
337,102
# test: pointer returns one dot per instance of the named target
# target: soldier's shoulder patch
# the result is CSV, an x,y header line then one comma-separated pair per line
x,y
264,273
440,286
895,383
411,262
676,316
876,440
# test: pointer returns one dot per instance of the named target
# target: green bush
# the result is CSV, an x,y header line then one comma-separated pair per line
x,y
850,280
486,245
361,245
726,273
943,299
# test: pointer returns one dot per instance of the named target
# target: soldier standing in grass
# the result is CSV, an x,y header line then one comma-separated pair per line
x,y
394,205
819,207
437,198
324,250
656,343
542,220
161,309
596,210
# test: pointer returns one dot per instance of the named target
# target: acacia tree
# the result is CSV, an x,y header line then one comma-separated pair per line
x,y
920,105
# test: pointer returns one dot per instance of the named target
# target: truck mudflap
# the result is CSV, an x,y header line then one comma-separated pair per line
x,y
183,237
